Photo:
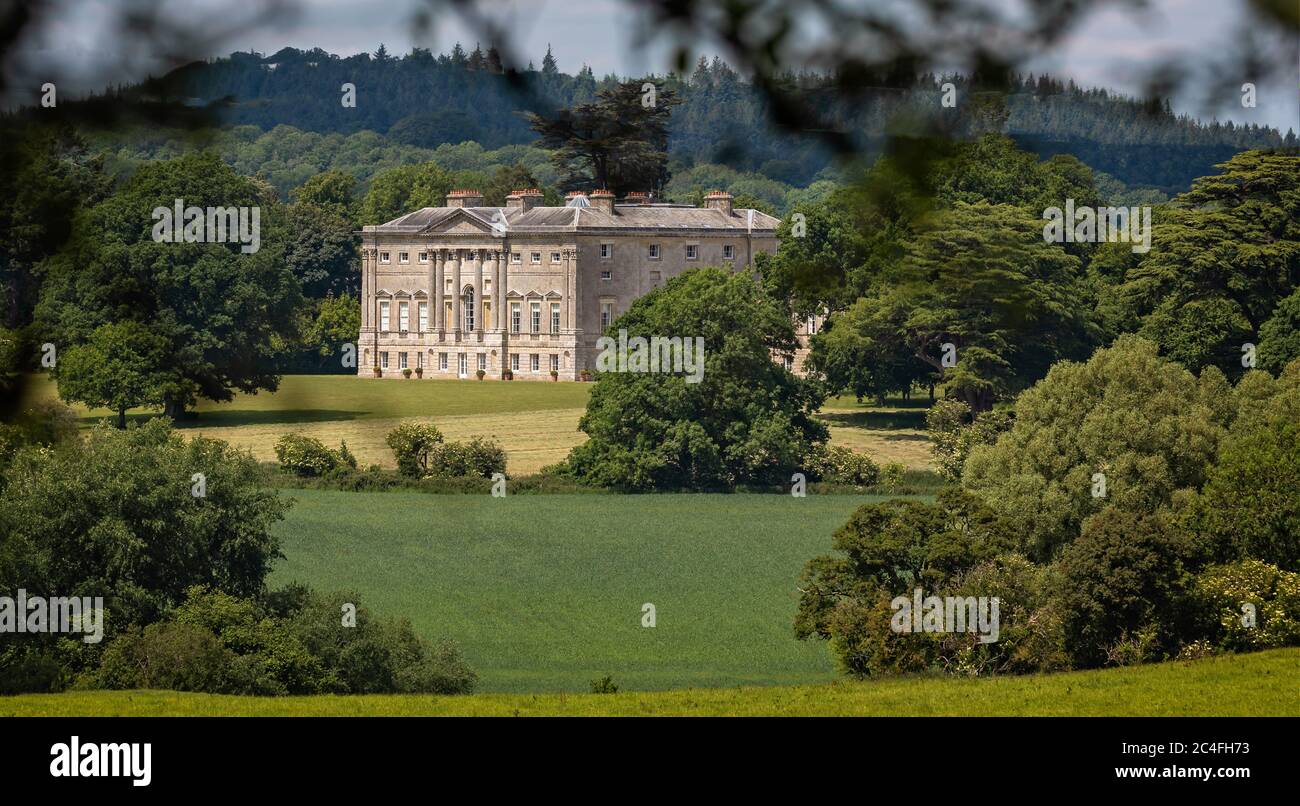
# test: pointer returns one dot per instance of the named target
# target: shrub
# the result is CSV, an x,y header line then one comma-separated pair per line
x,y
1222,591
167,655
412,445
305,456
1121,588
839,465
887,549
604,685
477,457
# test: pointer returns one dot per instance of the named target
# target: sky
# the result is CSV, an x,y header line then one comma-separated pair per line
x,y
1115,48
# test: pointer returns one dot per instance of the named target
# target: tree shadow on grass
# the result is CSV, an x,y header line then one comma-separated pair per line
x,y
236,417
879,420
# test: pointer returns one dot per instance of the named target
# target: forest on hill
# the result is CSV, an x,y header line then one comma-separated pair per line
x,y
423,101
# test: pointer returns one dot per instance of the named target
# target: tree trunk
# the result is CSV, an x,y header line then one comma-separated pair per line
x,y
121,418
931,391
173,408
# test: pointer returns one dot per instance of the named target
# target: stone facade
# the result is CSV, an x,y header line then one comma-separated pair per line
x,y
447,291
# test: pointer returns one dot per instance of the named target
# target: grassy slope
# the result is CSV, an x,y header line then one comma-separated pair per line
x,y
537,423
544,592
1262,684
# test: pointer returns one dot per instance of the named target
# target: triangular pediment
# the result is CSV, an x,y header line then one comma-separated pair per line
x,y
459,222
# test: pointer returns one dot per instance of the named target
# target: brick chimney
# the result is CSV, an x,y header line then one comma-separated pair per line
x,y
602,200
718,200
526,199
637,197
464,197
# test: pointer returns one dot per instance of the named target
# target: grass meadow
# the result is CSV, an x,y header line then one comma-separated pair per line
x,y
1260,684
536,422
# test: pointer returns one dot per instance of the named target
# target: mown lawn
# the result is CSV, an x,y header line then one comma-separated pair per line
x,y
545,592
1261,684
536,422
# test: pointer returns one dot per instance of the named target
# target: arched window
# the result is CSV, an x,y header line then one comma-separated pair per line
x,y
468,309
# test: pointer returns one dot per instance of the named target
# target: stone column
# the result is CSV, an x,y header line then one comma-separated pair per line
x,y
439,288
571,290
456,304
432,279
479,255
364,290
494,271
504,274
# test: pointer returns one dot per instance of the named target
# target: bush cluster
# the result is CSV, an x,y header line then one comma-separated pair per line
x,y
308,457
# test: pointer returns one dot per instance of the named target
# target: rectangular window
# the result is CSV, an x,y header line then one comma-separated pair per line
x,y
482,361
419,360
555,257
401,360
403,257
514,362
728,252
555,317
606,314
536,257
535,317
812,326
442,361
655,279
607,275
403,316
692,252
383,257
555,363
461,362
383,360
606,251
534,362
383,316
424,257
514,257
654,251
424,316
514,317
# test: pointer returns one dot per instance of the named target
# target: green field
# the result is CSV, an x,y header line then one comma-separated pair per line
x,y
544,592
536,422
1262,684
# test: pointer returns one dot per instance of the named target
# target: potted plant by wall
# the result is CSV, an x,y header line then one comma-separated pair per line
x,y
555,376
406,373
480,374
419,372
379,373
509,375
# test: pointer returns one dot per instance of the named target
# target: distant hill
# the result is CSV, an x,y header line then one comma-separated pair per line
x,y
424,100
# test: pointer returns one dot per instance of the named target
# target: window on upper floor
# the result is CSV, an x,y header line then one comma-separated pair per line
x,y
555,317
535,257
515,257
555,257
514,317
692,252
535,317
654,251
383,315
383,257
424,257
606,251
403,257
606,314
607,275
403,317
728,252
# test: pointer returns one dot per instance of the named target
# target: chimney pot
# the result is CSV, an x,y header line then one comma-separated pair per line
x,y
464,197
